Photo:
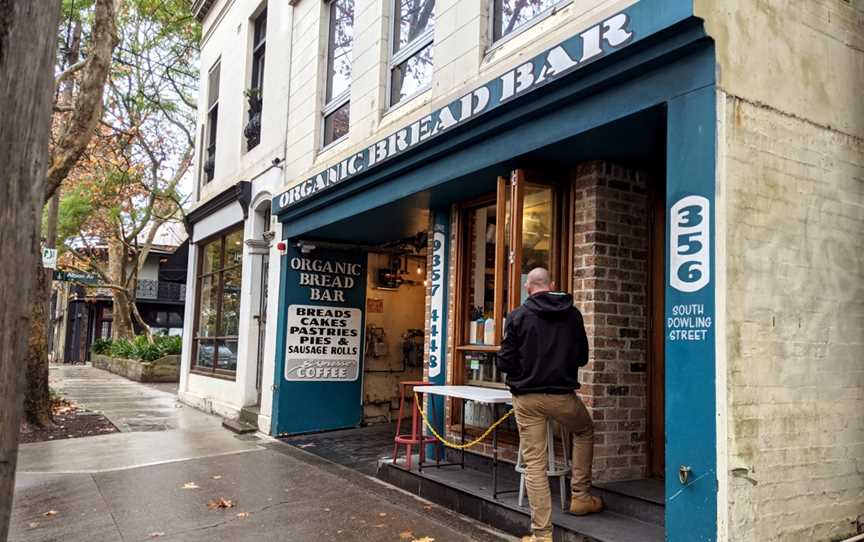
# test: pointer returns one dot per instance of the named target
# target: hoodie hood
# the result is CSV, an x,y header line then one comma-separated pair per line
x,y
549,304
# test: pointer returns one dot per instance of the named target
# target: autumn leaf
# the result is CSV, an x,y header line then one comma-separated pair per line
x,y
217,477
243,515
191,485
221,502
50,513
33,524
156,534
424,539
382,514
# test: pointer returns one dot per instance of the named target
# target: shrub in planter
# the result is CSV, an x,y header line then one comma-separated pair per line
x,y
101,346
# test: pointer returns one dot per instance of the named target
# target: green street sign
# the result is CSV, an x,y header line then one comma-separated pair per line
x,y
77,276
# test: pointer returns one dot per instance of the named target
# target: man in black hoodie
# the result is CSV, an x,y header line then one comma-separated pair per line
x,y
543,347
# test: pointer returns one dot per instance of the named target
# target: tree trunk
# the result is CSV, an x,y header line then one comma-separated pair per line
x,y
122,313
27,48
37,399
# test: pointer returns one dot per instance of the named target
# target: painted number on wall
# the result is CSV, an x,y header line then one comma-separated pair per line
x,y
437,308
689,265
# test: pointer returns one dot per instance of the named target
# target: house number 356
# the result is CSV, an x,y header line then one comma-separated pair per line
x,y
689,247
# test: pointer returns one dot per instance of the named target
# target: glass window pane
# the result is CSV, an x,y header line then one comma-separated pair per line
x,y
481,272
231,302
536,231
412,75
511,14
336,124
412,19
204,357
211,259
213,85
207,307
234,249
227,359
340,47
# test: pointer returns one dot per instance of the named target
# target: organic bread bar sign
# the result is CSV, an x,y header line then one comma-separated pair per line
x,y
324,319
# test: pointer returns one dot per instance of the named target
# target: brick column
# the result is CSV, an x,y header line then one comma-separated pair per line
x,y
610,259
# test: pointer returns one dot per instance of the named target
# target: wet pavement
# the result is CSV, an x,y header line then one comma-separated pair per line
x,y
156,484
359,449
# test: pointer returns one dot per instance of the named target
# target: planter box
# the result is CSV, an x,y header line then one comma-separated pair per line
x,y
164,369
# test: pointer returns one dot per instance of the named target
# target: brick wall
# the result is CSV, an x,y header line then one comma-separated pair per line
x,y
610,259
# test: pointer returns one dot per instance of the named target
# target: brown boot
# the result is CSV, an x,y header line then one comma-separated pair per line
x,y
582,506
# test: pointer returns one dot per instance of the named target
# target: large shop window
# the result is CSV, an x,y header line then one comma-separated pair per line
x,y
511,15
217,309
339,49
411,61
501,238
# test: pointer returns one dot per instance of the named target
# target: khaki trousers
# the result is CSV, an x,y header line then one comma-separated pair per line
x,y
532,410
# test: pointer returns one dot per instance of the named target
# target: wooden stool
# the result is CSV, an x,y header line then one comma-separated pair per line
x,y
553,468
415,437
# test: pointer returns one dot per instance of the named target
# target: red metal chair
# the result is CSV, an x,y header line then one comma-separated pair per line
x,y
416,437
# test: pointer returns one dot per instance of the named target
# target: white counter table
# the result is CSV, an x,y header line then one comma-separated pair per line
x,y
489,396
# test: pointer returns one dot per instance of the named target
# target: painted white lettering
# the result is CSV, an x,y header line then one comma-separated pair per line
x,y
524,77
557,62
425,132
616,32
481,95
353,166
508,85
590,43
445,119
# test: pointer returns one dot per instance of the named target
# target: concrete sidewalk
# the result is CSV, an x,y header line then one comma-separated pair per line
x,y
145,485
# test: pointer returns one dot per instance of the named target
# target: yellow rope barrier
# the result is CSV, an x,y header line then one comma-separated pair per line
x,y
449,444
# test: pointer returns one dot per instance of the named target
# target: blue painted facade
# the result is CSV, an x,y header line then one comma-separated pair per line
x,y
668,65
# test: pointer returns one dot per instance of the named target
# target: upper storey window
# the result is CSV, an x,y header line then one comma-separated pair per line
x,y
255,94
340,45
510,15
212,122
411,60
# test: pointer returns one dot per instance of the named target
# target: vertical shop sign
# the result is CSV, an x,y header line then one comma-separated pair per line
x,y
438,318
436,315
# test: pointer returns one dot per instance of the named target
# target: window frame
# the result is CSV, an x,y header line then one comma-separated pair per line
x,y
211,132
194,368
537,19
259,51
410,49
258,59
335,102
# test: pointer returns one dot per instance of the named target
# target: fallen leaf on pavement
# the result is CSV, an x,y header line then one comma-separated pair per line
x,y
243,515
50,513
380,525
382,514
217,477
191,485
220,503
34,524
424,539
156,535
406,535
